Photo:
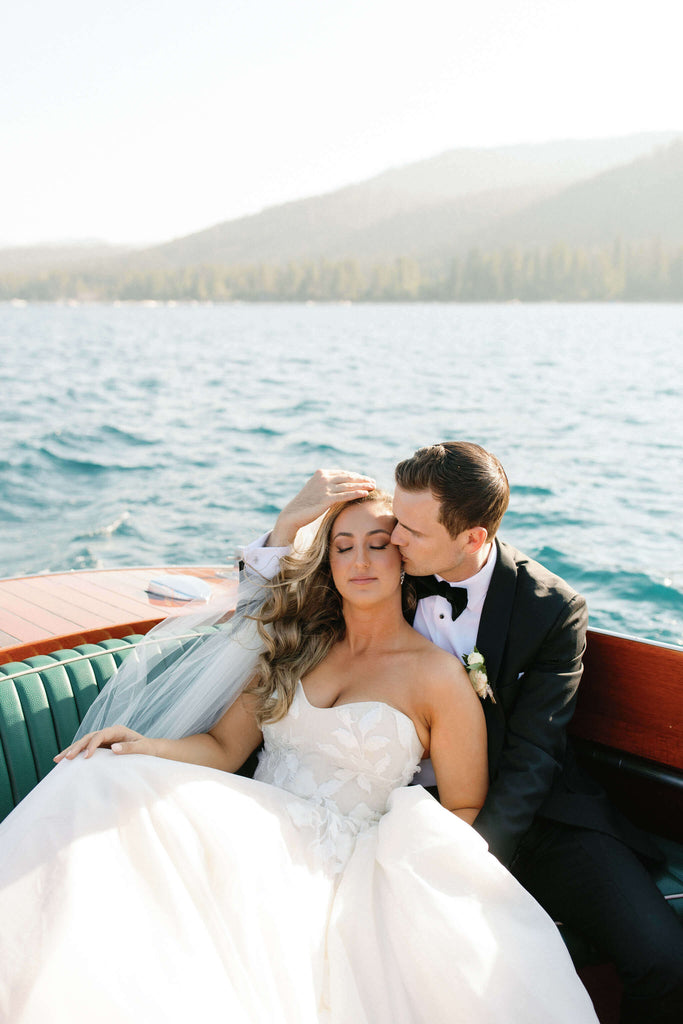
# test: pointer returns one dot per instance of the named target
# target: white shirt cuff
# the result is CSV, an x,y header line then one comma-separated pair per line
x,y
265,561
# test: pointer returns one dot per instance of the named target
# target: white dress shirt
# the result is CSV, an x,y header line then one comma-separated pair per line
x,y
433,616
433,620
265,561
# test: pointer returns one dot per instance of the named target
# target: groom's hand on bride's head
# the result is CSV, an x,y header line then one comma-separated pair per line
x,y
325,488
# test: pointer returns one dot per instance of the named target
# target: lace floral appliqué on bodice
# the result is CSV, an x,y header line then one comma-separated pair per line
x,y
344,762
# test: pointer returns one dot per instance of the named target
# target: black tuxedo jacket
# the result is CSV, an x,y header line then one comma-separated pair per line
x,y
532,634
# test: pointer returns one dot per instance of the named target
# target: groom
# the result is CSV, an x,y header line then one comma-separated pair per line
x,y
543,817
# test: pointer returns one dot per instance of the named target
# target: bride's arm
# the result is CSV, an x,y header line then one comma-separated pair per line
x,y
226,747
458,742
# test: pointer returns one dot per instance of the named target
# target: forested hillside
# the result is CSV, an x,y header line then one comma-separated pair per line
x,y
571,221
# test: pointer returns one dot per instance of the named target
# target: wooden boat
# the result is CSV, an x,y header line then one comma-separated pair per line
x,y
62,636
39,614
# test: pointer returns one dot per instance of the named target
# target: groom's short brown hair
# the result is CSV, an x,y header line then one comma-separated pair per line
x,y
469,483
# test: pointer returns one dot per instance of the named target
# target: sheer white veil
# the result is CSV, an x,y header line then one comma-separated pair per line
x,y
190,668
187,671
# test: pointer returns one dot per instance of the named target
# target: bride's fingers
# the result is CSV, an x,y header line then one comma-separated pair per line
x,y
95,742
106,738
75,748
89,743
129,747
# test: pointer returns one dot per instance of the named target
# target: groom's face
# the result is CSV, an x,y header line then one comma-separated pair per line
x,y
425,544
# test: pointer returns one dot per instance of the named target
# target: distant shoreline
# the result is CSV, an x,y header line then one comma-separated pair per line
x,y
618,271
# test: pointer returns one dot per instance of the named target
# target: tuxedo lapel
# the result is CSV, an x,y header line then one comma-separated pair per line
x,y
496,613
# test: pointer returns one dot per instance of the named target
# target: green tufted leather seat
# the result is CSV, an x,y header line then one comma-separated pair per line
x,y
43,700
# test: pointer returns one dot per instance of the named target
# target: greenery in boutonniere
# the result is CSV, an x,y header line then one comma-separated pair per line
x,y
476,670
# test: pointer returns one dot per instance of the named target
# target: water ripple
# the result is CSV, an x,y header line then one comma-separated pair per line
x,y
149,436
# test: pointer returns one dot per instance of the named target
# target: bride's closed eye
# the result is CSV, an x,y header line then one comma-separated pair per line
x,y
373,547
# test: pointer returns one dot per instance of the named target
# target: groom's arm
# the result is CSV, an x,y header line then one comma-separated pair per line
x,y
535,732
262,558
325,488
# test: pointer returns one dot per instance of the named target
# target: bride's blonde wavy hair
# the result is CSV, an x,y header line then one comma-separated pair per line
x,y
301,618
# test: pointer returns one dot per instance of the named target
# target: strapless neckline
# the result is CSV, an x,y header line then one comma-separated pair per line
x,y
361,703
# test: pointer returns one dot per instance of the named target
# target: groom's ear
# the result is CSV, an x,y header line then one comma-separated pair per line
x,y
476,538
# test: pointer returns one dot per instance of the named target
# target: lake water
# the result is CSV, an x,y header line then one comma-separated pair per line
x,y
135,434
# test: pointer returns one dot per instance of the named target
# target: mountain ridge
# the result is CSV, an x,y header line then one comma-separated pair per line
x,y
315,227
580,192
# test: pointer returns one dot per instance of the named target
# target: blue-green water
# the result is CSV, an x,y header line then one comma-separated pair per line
x,y
132,434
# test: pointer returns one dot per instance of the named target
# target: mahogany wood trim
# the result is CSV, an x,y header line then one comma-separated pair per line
x,y
631,698
39,614
70,640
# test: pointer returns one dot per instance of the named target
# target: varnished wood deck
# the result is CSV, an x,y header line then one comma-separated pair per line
x,y
39,614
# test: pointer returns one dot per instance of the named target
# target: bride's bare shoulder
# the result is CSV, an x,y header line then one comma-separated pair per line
x,y
442,675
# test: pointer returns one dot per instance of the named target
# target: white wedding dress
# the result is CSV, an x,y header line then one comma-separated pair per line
x,y
135,889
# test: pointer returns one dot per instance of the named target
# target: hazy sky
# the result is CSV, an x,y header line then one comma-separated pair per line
x,y
142,120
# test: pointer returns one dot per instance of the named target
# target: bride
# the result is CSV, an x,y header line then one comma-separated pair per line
x,y
159,888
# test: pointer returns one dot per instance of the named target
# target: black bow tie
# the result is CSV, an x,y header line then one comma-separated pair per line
x,y
426,586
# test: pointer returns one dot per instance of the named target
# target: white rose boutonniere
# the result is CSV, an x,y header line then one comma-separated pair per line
x,y
476,670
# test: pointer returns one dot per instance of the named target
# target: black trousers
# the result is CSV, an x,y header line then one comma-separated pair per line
x,y
598,886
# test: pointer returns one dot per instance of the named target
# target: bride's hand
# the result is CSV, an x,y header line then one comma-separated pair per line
x,y
325,488
118,737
